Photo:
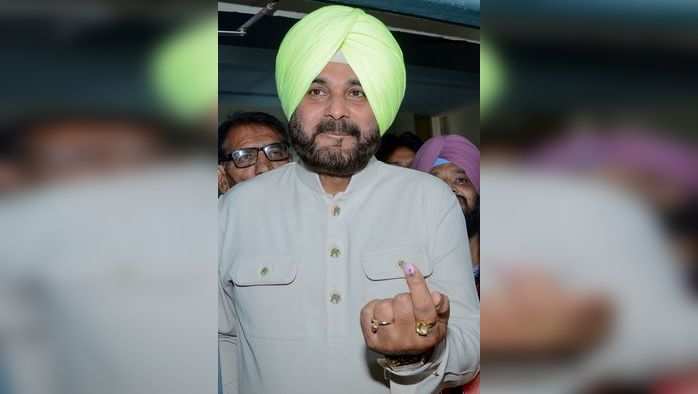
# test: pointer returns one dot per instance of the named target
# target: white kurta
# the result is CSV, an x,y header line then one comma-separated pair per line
x,y
297,265
592,238
107,285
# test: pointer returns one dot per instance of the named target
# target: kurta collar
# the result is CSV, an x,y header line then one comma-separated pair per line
x,y
359,181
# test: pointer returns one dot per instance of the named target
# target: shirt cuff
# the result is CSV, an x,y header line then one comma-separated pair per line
x,y
435,365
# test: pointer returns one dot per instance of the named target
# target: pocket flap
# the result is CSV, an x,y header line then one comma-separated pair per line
x,y
262,271
385,263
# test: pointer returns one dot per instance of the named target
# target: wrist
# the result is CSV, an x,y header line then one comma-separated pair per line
x,y
405,361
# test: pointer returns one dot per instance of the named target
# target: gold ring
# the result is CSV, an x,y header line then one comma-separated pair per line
x,y
375,324
423,328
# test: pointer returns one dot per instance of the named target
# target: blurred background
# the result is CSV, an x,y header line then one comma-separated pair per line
x,y
101,67
107,131
590,170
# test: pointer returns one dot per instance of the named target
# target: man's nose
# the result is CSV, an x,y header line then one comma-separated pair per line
x,y
337,107
263,164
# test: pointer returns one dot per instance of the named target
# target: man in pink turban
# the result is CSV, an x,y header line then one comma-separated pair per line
x,y
456,161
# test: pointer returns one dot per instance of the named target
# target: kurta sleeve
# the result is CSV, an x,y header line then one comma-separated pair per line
x,y
456,360
228,340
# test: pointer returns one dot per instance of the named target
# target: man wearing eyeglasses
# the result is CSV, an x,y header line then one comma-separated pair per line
x,y
250,144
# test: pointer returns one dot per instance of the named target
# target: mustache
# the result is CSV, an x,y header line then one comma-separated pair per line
x,y
341,127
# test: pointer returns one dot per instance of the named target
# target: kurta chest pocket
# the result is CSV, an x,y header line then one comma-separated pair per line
x,y
384,277
267,297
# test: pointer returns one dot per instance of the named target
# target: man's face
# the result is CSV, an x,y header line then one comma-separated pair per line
x,y
459,182
250,136
333,129
69,149
402,156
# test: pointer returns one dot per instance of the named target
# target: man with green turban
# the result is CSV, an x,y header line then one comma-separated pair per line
x,y
338,273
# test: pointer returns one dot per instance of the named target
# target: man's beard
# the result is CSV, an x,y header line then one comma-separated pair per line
x,y
472,219
330,161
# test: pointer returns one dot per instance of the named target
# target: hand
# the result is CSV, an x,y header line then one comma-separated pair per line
x,y
399,336
223,182
533,316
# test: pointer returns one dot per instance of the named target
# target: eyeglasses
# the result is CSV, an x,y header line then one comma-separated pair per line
x,y
247,157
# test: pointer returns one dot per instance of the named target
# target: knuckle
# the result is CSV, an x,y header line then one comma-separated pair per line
x,y
383,306
403,311
364,312
403,298
436,296
444,300
424,310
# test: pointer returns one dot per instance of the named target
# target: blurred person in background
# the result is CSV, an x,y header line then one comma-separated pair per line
x,y
250,144
106,282
64,148
556,320
579,285
576,264
456,161
652,165
399,149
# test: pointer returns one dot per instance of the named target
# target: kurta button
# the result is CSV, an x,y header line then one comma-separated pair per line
x,y
264,271
335,298
336,211
335,253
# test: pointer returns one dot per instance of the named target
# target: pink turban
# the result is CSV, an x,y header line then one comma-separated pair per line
x,y
453,148
650,152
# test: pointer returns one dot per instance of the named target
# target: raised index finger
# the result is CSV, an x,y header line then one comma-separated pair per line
x,y
421,296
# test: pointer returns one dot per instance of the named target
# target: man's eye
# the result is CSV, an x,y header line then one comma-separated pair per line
x,y
316,92
245,156
357,93
462,181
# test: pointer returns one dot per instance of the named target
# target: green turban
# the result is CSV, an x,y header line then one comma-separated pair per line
x,y
367,45
492,78
185,71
